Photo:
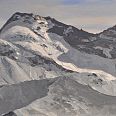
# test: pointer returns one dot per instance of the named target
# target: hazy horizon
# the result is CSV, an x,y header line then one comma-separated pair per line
x,y
91,15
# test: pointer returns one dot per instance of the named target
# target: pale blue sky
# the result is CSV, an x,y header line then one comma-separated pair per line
x,y
91,15
72,2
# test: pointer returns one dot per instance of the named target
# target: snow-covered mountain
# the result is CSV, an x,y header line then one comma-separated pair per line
x,y
48,68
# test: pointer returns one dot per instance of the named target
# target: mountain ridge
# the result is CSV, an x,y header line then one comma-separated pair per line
x,y
48,17
78,66
79,39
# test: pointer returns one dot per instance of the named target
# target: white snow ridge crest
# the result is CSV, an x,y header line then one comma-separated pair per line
x,y
48,68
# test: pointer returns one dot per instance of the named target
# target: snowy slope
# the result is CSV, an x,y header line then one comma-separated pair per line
x,y
28,92
62,96
67,97
37,48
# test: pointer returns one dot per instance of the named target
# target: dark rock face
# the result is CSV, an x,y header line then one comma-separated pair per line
x,y
46,63
87,42
10,114
15,17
